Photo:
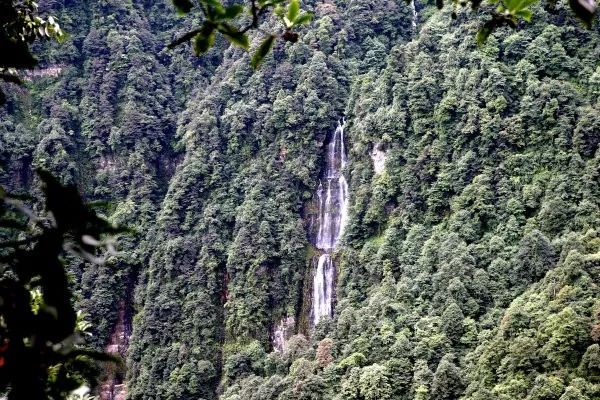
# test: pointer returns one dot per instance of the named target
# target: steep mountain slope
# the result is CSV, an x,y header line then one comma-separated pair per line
x,y
491,173
230,252
469,264
101,112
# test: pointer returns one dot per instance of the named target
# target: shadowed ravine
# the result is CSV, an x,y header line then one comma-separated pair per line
x,y
114,387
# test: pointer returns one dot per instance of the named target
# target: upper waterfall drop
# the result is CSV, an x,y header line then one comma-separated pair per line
x,y
333,203
332,196
414,13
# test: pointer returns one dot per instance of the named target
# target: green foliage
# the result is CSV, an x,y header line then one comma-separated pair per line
x,y
547,331
447,380
263,50
374,383
353,360
42,354
228,21
20,26
460,271
452,320
217,18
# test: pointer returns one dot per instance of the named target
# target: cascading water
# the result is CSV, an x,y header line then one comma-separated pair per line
x,y
332,195
282,332
414,13
328,215
322,288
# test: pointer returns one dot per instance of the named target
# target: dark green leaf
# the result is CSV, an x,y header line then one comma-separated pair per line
x,y
213,10
517,5
526,3
204,41
483,33
183,6
234,36
279,11
511,5
293,10
262,51
95,355
185,38
303,19
525,14
233,11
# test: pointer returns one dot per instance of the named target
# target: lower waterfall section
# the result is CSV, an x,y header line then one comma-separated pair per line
x,y
322,294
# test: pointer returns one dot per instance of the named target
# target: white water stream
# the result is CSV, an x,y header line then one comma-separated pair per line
x,y
414,14
332,196
333,212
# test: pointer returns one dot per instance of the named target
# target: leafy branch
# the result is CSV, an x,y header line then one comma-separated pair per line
x,y
20,25
41,335
232,22
510,12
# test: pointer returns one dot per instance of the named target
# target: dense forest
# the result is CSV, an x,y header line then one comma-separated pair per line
x,y
466,264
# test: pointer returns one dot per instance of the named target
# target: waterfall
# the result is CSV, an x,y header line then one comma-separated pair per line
x,y
322,288
414,13
332,196
282,332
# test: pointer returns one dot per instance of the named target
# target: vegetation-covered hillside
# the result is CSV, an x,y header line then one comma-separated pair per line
x,y
469,267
